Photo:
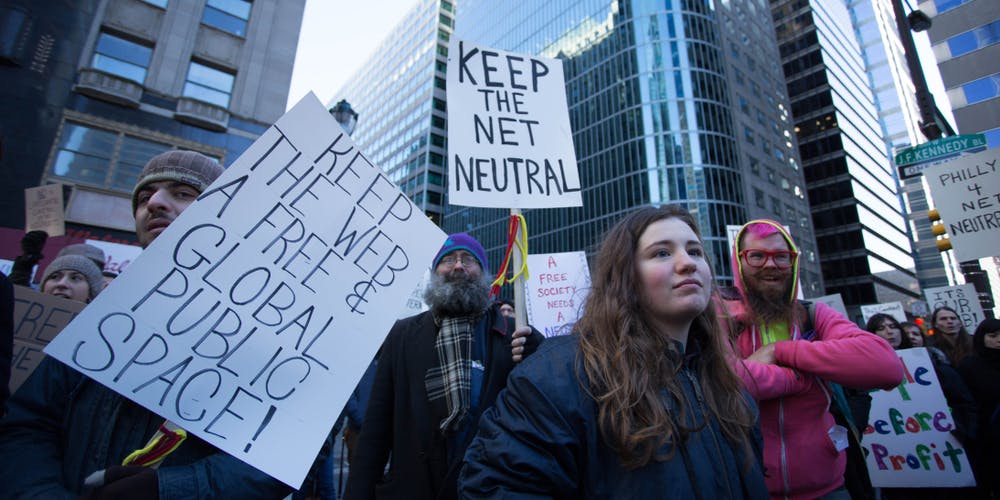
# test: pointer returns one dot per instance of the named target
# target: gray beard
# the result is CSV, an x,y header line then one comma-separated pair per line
x,y
457,295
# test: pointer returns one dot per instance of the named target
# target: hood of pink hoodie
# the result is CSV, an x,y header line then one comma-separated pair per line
x,y
738,264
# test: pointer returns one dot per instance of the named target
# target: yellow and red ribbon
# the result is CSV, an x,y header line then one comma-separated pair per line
x,y
517,235
167,439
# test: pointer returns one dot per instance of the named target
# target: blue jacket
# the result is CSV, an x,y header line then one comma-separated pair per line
x,y
62,426
541,439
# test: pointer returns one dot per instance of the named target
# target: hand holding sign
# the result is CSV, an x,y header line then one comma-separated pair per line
x,y
251,318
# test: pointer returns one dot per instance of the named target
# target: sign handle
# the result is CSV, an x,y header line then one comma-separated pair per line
x,y
520,304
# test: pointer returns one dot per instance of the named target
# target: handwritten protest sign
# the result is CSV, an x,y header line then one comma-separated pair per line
x,y
43,209
909,433
37,320
835,301
962,298
509,139
966,191
894,309
415,302
252,317
556,291
116,255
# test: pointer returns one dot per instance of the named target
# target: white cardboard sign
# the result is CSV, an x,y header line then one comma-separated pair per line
x,y
116,255
909,432
556,291
966,191
894,309
835,301
962,298
509,139
249,321
38,318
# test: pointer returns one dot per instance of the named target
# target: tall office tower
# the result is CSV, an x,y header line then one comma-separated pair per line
x,y
92,92
399,94
965,37
655,118
899,117
864,247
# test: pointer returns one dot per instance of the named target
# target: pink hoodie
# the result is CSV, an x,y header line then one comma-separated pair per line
x,y
800,459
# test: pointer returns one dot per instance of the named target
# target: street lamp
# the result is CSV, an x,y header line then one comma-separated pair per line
x,y
345,116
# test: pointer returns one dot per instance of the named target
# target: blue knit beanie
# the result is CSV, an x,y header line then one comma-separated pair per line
x,y
462,241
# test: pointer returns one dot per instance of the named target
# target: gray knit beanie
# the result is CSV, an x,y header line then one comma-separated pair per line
x,y
96,255
80,264
188,167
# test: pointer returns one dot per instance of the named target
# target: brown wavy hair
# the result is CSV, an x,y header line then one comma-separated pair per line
x,y
956,347
628,363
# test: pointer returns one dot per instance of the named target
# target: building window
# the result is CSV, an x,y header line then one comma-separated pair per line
x,y
759,198
227,15
982,89
976,39
102,158
158,3
208,84
946,5
121,57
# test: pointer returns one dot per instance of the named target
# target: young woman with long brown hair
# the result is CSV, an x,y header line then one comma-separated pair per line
x,y
640,401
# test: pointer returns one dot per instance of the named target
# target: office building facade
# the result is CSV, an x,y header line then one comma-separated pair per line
x,y
399,93
965,38
669,103
93,92
893,88
865,249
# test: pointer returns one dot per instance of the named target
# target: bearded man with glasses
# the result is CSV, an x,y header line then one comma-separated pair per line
x,y
437,373
790,352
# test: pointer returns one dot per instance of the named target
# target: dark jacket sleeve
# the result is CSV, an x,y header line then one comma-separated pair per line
x,y
31,433
528,442
6,339
375,441
218,475
959,398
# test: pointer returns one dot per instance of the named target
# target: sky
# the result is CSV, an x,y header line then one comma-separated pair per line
x,y
337,37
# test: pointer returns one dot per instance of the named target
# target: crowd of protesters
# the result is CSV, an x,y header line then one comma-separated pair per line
x,y
664,389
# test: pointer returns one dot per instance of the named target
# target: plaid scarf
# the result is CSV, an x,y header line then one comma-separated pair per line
x,y
451,378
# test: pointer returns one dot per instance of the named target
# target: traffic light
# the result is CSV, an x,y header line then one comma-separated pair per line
x,y
938,229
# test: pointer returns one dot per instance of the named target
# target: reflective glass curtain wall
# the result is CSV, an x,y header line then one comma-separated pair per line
x,y
865,251
400,97
649,104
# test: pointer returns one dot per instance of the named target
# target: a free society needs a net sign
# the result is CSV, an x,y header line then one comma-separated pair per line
x,y
251,319
509,138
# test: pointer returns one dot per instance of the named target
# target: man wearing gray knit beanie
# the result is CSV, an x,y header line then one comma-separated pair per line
x,y
167,185
64,427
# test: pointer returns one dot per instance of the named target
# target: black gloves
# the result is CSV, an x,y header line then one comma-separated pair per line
x,y
126,482
31,252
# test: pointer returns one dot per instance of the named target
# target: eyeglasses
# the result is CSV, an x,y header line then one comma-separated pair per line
x,y
466,260
783,259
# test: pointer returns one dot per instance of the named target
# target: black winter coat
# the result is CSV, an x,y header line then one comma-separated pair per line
x,y
401,422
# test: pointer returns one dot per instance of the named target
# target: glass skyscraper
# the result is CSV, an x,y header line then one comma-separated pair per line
x,y
860,229
896,103
400,96
667,106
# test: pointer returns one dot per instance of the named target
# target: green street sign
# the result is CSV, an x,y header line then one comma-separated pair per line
x,y
912,161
